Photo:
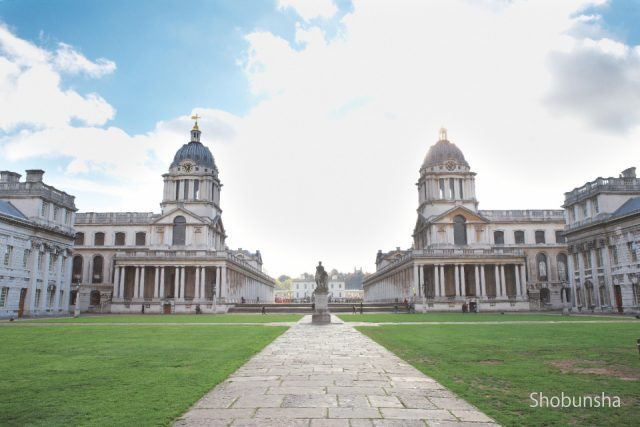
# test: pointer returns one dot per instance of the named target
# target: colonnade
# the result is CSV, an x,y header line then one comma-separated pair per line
x,y
447,281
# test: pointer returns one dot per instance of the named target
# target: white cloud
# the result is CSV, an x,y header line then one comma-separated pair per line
x,y
30,86
310,9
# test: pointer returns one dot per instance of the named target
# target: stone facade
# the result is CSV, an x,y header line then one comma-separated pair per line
x,y
302,288
173,261
491,259
36,238
603,234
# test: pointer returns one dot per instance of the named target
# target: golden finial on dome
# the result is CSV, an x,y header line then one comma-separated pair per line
x,y
195,126
443,134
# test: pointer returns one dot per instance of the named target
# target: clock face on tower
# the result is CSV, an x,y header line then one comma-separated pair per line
x,y
451,165
187,167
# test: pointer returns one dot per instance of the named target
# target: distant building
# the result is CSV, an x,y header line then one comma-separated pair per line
x,y
36,238
302,288
172,261
493,259
603,234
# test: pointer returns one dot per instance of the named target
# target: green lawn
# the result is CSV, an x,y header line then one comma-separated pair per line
x,y
470,317
106,376
497,367
175,318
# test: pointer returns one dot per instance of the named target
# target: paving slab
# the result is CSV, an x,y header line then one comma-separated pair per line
x,y
330,375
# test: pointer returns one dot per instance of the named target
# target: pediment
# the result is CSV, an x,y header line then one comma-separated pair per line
x,y
190,217
469,215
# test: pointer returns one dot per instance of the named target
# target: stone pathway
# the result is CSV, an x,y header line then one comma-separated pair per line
x,y
330,375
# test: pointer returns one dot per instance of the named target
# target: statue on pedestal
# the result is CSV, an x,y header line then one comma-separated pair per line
x,y
321,279
321,315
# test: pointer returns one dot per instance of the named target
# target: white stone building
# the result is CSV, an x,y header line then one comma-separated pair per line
x,y
303,287
36,238
603,234
173,261
493,259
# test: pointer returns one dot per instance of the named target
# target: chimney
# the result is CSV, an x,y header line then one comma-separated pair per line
x,y
34,175
628,173
8,176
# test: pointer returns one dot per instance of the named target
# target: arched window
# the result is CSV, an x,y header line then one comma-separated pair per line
x,y
98,239
459,230
498,237
119,239
77,269
79,239
179,230
562,267
98,264
541,261
141,238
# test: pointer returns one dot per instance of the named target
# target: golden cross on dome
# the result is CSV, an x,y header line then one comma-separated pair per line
x,y
196,117
443,134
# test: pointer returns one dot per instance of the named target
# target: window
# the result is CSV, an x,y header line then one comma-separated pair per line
x,y
94,298
196,189
586,258
461,193
614,254
632,251
8,254
66,216
519,237
37,297
98,239
77,269
119,239
185,190
594,204
4,295
98,263
562,267
179,230
52,261
540,236
79,240
459,230
498,237
45,209
441,183
141,238
560,236
452,188
541,261
55,213
575,212
25,257
599,258
39,260
585,213
177,190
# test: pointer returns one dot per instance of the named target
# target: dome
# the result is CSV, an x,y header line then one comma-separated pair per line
x,y
196,152
442,152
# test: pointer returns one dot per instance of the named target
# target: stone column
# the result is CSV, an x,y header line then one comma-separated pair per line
x,y
223,281
443,282
182,282
516,267
416,278
477,277
196,285
116,282
156,283
436,281
45,281
463,285
594,274
503,286
523,280
67,282
142,269
176,283
483,285
497,280
56,297
123,276
457,278
136,283
203,283
218,281
161,295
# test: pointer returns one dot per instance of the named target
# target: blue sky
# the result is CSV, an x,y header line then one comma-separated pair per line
x,y
308,98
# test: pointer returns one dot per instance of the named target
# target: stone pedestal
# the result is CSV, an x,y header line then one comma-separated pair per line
x,y
321,314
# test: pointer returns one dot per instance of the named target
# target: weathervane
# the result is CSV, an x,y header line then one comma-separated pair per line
x,y
195,117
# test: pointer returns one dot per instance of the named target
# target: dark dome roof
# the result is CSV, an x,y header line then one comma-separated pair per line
x,y
196,152
441,152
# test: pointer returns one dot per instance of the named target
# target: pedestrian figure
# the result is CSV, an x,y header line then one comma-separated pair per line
x,y
142,308
264,310
361,308
354,308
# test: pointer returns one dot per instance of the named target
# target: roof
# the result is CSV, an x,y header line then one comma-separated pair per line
x,y
6,208
442,152
196,152
630,206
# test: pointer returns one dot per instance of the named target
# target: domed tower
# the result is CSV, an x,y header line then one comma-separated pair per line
x,y
445,180
192,182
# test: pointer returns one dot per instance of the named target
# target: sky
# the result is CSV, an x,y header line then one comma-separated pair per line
x,y
319,112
